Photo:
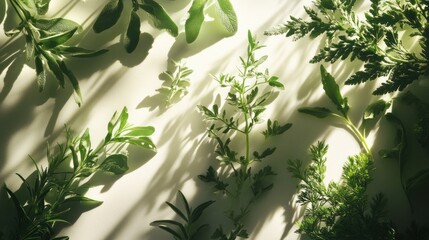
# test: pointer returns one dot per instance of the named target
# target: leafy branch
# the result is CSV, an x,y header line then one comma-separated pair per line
x,y
332,90
114,9
187,230
58,185
374,38
176,83
340,210
249,94
47,43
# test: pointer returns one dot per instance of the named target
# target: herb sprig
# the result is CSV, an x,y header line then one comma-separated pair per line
x,y
375,38
176,83
249,94
340,210
58,184
47,43
189,229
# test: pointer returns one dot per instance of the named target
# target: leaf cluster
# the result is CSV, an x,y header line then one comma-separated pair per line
x,y
176,83
249,93
340,210
196,16
332,91
58,184
114,9
189,229
47,42
376,38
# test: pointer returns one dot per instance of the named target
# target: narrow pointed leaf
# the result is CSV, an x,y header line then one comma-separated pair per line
x,y
79,52
177,211
172,222
319,112
198,211
83,201
52,26
54,67
185,202
57,39
332,90
41,73
75,84
171,231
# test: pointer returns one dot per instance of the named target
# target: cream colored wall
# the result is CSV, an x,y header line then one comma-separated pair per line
x,y
29,119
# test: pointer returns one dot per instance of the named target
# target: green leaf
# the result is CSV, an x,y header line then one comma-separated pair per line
x,y
57,39
109,16
42,6
319,112
198,211
185,202
54,67
140,131
163,225
75,84
333,91
71,51
228,16
41,73
22,215
171,231
116,164
375,109
85,201
195,20
133,32
177,211
161,18
51,26
273,82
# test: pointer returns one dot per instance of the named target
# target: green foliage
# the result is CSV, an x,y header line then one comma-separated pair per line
x,y
47,42
332,91
375,38
114,9
176,83
189,229
58,185
340,210
249,94
196,17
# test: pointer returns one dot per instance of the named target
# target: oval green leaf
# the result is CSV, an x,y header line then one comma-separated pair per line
x,y
195,20
109,16
133,33
116,164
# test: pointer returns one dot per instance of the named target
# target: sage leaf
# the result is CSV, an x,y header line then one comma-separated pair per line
x,y
75,84
51,26
195,20
160,17
227,15
57,39
41,73
109,16
133,33
79,52
54,67
116,164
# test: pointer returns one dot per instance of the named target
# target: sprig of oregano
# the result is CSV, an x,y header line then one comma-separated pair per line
x,y
58,184
374,38
176,83
114,9
249,94
47,42
340,210
189,229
